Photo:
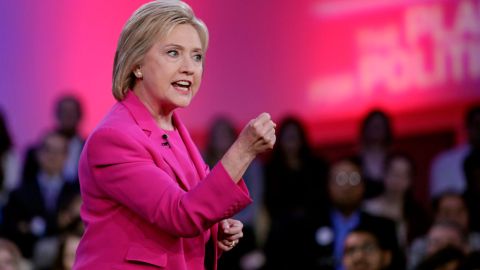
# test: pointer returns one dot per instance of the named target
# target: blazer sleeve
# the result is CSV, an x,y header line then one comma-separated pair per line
x,y
122,168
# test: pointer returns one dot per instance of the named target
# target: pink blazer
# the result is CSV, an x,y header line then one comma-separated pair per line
x,y
139,209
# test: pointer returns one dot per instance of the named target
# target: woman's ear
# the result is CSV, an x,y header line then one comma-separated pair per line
x,y
138,73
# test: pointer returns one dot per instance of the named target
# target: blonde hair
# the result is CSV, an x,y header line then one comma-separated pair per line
x,y
148,23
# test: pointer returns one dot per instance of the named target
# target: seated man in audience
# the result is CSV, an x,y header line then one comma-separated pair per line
x,y
32,210
365,250
317,241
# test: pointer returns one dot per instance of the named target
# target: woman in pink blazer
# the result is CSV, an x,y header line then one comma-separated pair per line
x,y
150,202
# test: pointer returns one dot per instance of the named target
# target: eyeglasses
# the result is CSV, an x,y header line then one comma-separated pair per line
x,y
367,248
351,179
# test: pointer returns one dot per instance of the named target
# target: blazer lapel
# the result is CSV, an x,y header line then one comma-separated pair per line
x,y
191,147
171,160
202,170
145,121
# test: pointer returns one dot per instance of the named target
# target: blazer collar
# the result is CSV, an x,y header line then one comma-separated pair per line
x,y
145,121
140,113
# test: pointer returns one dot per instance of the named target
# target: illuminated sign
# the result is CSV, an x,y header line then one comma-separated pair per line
x,y
432,46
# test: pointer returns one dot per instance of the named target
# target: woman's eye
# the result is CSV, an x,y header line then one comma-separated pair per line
x,y
198,57
173,53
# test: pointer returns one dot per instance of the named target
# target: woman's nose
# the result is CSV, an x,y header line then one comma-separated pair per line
x,y
188,66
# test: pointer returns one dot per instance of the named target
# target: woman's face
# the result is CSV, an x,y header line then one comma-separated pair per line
x,y
376,129
172,70
290,140
452,208
398,176
441,236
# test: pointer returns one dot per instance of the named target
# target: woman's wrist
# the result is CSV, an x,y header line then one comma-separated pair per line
x,y
236,161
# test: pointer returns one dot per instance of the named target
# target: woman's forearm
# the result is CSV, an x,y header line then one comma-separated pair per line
x,y
236,161
256,137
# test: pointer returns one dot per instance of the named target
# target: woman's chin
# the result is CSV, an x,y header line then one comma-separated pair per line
x,y
183,103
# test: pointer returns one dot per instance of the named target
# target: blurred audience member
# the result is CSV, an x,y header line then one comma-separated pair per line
x,y
69,212
295,177
295,184
10,256
376,138
317,241
68,246
365,250
68,221
446,172
444,234
397,202
451,207
451,226
68,114
446,258
221,136
471,262
471,167
9,165
32,209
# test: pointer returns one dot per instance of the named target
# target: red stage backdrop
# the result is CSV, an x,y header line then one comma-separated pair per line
x,y
328,61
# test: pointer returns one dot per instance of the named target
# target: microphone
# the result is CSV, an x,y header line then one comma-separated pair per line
x,y
165,138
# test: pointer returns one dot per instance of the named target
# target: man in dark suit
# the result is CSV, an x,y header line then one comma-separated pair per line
x,y
32,210
318,241
68,116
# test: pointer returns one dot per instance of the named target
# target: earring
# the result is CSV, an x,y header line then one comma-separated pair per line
x,y
138,74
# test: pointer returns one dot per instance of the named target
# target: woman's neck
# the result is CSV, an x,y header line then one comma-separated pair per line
x,y
161,114
165,122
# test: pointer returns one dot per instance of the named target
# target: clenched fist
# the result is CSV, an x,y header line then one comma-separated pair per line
x,y
229,233
258,135
255,138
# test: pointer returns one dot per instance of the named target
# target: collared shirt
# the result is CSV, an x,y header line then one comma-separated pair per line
x,y
70,170
342,226
50,186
